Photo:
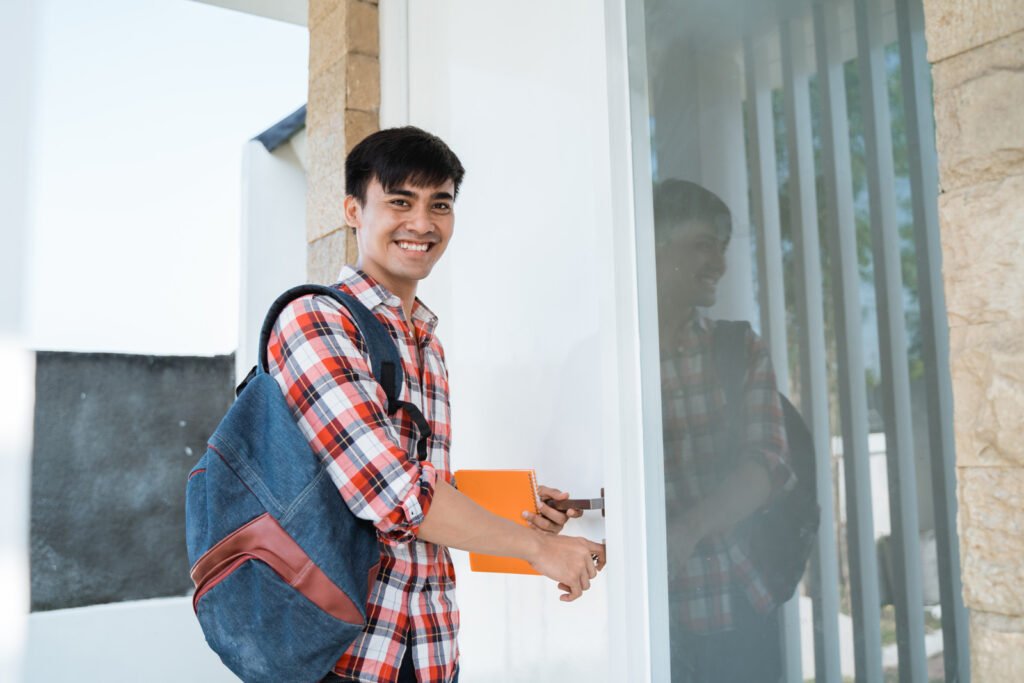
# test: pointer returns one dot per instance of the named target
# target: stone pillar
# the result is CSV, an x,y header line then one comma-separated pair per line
x,y
344,99
976,48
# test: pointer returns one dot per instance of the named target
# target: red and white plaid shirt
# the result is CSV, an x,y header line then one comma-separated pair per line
x,y
697,459
321,364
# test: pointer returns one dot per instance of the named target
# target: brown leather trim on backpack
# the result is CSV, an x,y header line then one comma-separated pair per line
x,y
263,539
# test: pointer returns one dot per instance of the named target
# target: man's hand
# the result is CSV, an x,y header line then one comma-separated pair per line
x,y
457,522
549,519
570,560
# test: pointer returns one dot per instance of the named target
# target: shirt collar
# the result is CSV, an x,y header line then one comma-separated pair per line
x,y
690,333
372,294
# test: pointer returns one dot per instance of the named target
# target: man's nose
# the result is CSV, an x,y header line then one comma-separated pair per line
x,y
421,220
718,260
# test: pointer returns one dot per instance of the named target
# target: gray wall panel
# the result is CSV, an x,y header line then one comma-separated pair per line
x,y
115,437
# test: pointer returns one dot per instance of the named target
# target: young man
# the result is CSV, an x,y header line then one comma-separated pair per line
x,y
723,620
402,184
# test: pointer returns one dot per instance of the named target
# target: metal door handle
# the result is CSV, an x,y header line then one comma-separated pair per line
x,y
578,504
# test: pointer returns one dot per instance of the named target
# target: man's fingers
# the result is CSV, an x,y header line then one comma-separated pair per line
x,y
598,553
542,523
547,492
556,516
580,560
536,521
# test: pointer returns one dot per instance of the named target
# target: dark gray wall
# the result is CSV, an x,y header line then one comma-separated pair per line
x,y
115,438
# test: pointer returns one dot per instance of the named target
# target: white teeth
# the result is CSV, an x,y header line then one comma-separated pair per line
x,y
413,246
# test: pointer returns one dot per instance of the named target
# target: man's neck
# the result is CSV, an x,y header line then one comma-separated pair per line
x,y
670,319
407,296
407,292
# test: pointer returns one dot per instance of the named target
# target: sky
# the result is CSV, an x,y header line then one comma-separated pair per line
x,y
141,112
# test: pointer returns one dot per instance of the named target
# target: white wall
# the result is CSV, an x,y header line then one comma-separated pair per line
x,y
273,239
148,640
17,366
526,293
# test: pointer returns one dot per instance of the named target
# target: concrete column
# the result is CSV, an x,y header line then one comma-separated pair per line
x,y
977,53
344,100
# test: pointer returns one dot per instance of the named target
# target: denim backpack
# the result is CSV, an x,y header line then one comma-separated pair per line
x,y
782,534
282,568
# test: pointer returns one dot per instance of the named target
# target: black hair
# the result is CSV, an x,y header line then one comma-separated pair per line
x,y
395,156
677,201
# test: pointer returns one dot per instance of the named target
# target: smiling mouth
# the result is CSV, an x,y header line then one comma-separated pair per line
x,y
414,246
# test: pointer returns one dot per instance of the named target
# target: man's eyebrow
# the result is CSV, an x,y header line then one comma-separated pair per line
x,y
401,191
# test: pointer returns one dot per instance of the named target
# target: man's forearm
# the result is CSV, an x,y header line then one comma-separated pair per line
x,y
743,492
454,520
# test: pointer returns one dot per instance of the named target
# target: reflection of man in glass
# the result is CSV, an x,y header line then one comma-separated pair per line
x,y
723,618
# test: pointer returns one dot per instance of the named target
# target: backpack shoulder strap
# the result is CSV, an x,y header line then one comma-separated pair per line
x,y
386,365
730,354
385,362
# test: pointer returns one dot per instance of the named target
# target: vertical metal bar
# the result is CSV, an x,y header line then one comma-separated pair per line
x,y
841,241
765,214
764,207
892,343
789,622
924,183
811,325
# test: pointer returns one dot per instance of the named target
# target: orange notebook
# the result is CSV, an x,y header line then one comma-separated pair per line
x,y
506,493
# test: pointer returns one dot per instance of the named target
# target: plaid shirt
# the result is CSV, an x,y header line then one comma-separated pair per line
x,y
322,366
697,459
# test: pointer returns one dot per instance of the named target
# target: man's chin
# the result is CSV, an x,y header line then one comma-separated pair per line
x,y
418,273
706,301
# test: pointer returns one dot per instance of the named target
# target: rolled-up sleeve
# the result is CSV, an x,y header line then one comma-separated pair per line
x,y
320,362
766,430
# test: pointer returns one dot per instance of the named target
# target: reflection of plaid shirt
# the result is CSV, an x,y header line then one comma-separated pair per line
x,y
322,366
697,460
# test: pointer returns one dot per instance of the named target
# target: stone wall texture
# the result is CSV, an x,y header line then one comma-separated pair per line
x,y
977,52
344,100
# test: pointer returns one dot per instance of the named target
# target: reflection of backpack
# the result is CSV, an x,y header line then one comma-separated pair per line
x,y
782,534
282,568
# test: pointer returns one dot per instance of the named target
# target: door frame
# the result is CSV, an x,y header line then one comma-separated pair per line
x,y
638,592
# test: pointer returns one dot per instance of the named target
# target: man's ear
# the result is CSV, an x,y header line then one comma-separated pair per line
x,y
353,211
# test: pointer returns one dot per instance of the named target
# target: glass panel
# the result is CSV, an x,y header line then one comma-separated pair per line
x,y
749,246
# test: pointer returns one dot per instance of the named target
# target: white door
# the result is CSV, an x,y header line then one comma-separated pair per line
x,y
536,298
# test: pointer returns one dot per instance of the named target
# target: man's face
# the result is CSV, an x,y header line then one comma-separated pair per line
x,y
690,263
402,232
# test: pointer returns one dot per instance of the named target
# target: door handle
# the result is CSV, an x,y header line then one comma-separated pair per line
x,y
578,504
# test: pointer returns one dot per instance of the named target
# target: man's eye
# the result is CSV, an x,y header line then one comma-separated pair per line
x,y
442,206
399,202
